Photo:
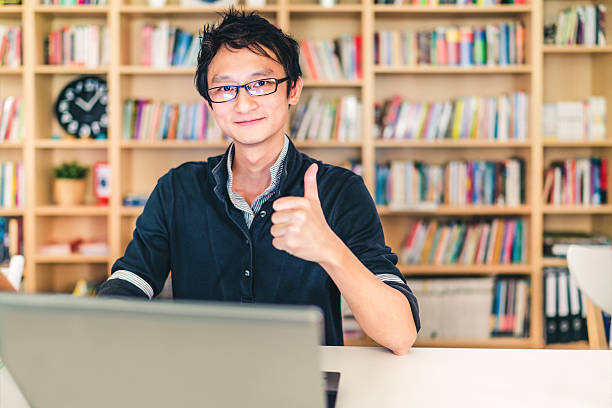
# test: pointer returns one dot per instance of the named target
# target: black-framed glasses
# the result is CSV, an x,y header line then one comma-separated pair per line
x,y
259,87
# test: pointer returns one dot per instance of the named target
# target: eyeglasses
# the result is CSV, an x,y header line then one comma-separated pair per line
x,y
259,87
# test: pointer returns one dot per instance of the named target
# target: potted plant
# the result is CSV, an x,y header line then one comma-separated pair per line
x,y
69,184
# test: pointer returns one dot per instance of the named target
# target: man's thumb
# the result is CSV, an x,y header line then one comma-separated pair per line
x,y
310,182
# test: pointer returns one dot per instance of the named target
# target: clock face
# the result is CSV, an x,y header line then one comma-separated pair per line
x,y
81,107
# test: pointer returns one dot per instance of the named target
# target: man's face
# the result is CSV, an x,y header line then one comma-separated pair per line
x,y
250,120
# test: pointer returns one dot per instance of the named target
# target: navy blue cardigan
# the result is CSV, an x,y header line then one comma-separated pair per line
x,y
189,226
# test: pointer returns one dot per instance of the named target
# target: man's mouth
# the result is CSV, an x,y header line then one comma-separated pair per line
x,y
248,122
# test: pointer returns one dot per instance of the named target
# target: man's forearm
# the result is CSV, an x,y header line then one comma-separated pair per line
x,y
383,312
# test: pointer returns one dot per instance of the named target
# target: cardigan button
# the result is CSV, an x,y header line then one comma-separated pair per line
x,y
262,214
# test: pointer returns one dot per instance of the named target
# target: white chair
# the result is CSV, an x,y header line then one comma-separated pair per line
x,y
591,268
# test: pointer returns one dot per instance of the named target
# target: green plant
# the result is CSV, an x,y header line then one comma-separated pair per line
x,y
71,170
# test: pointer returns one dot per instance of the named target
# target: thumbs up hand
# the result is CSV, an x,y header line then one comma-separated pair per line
x,y
299,225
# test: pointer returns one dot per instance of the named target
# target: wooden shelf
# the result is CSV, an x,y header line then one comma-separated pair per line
x,y
11,212
449,143
578,209
330,144
145,70
80,11
341,83
460,210
458,269
195,11
71,259
10,70
575,49
317,9
173,144
70,211
69,70
11,145
452,9
11,10
433,69
477,343
555,262
71,144
579,143
131,211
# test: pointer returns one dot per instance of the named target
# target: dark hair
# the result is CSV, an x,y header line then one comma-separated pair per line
x,y
241,30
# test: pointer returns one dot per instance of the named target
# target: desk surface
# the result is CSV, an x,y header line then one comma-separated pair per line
x,y
452,377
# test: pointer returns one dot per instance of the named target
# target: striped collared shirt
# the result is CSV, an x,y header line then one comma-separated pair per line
x,y
275,175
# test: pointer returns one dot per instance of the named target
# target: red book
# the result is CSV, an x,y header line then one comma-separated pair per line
x,y
604,180
358,56
309,60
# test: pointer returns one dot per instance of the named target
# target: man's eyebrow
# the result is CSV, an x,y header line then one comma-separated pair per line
x,y
221,77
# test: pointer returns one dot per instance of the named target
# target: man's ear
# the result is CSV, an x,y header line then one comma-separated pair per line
x,y
296,91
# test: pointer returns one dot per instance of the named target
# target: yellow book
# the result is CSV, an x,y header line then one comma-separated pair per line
x,y
431,233
458,119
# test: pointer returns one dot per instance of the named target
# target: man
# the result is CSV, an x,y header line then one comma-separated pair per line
x,y
264,222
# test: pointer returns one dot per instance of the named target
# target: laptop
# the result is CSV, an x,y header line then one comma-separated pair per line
x,y
64,351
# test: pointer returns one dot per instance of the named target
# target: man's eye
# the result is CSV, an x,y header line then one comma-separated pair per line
x,y
261,83
226,88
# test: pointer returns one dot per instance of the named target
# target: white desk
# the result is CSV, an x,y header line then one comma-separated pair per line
x,y
373,377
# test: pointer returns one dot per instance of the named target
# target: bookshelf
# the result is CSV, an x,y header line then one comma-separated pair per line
x,y
136,165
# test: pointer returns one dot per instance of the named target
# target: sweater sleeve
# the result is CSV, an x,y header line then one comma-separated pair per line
x,y
355,220
143,269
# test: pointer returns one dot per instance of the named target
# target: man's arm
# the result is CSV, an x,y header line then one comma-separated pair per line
x,y
378,296
142,271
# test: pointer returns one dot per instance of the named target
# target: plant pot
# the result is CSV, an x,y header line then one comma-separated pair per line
x,y
69,191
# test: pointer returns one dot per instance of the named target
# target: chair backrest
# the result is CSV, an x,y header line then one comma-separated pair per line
x,y
592,270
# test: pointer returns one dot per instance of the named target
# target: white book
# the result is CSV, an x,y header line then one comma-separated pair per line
x,y
6,112
313,104
398,184
9,181
314,129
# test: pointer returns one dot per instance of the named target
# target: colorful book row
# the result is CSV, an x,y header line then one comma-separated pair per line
x,y
11,238
11,119
12,185
328,120
163,45
449,2
332,60
144,119
74,2
510,312
498,241
84,45
582,181
10,46
575,120
500,118
408,184
578,25
494,44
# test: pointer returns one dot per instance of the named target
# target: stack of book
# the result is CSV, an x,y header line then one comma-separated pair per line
x,y
11,238
145,119
495,44
581,181
10,2
163,45
80,44
453,2
10,46
556,243
11,119
332,60
74,2
408,184
500,118
583,24
564,308
12,185
575,120
497,241
472,308
328,120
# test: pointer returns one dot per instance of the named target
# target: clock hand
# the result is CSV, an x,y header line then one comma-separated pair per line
x,y
82,104
94,99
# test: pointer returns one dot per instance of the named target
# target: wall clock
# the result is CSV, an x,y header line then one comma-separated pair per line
x,y
80,108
